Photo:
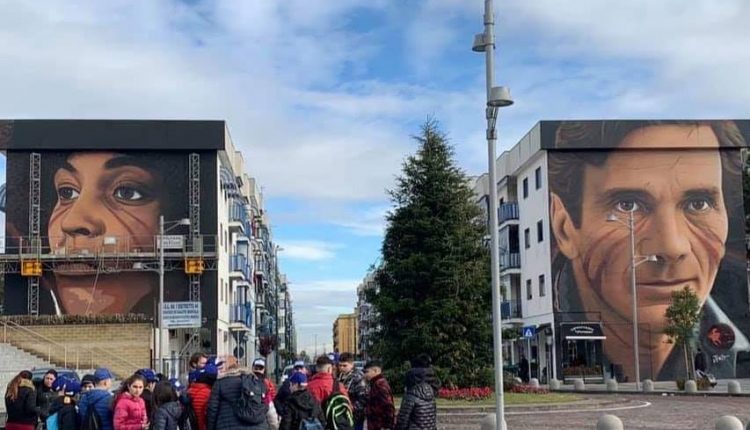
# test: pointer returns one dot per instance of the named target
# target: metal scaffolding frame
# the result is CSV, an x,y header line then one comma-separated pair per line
x,y
35,200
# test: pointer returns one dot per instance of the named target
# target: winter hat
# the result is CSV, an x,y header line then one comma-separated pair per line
x,y
299,363
72,387
60,383
88,378
148,374
103,373
298,378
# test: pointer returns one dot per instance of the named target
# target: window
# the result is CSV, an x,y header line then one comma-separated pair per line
x,y
538,177
525,187
527,238
528,289
539,231
542,287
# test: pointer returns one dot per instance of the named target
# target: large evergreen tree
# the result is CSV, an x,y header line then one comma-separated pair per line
x,y
434,294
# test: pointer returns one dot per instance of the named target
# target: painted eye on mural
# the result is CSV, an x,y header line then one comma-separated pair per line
x,y
699,205
67,193
627,206
128,194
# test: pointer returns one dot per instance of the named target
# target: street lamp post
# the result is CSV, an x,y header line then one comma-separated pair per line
x,y
633,290
497,97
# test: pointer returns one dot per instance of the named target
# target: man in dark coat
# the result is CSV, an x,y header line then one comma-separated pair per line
x,y
224,395
379,411
301,405
418,409
285,390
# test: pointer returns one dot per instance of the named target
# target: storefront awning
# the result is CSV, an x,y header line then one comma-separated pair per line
x,y
583,331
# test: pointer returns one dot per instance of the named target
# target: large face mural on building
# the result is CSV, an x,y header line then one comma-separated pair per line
x,y
680,184
99,202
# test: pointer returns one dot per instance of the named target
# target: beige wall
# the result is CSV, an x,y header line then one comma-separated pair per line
x,y
345,333
123,348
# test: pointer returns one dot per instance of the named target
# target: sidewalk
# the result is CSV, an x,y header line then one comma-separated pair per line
x,y
659,387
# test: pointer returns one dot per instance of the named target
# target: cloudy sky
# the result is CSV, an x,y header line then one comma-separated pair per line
x,y
322,95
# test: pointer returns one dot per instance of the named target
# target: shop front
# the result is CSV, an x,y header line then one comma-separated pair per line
x,y
581,351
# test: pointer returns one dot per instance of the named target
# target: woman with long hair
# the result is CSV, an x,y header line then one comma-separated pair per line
x,y
129,407
168,410
20,403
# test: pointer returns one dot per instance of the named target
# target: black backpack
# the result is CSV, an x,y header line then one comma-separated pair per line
x,y
338,410
250,407
92,420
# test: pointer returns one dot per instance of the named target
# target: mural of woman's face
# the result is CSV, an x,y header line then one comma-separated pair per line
x,y
102,194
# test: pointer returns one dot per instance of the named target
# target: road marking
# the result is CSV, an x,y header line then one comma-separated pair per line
x,y
643,404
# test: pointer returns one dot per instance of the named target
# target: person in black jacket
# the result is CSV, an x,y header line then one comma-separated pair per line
x,y
301,405
65,405
45,394
285,390
418,409
20,403
354,381
220,414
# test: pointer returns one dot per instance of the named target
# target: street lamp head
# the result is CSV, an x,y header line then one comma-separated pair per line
x,y
479,44
499,97
183,221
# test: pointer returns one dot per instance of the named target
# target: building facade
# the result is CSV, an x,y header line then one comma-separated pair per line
x,y
569,195
345,333
87,203
366,316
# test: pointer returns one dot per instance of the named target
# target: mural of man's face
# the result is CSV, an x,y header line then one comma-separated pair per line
x,y
675,196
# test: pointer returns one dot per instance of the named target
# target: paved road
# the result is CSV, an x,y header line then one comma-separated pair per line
x,y
636,412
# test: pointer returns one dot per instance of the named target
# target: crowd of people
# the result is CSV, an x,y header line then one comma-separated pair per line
x,y
221,395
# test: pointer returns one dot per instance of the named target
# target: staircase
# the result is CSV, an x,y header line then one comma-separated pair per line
x,y
14,360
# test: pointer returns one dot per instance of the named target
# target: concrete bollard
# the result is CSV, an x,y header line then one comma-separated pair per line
x,y
691,387
609,422
534,382
734,387
578,385
729,422
554,384
490,421
611,385
648,386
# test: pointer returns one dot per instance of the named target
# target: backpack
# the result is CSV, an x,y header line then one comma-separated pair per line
x,y
250,407
92,421
338,410
310,423
51,422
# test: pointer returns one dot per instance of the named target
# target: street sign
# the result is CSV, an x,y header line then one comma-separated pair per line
x,y
529,331
172,241
181,314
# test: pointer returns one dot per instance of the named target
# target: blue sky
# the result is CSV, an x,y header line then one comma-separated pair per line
x,y
321,96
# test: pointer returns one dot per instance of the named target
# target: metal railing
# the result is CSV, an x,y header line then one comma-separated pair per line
x,y
78,356
511,309
510,260
507,211
104,246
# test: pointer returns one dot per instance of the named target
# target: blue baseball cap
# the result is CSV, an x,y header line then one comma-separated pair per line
x,y
148,374
103,373
298,378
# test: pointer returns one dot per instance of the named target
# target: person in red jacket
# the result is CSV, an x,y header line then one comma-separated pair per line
x,y
130,409
320,385
199,389
379,410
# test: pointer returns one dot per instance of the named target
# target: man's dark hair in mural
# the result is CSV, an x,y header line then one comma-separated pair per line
x,y
681,183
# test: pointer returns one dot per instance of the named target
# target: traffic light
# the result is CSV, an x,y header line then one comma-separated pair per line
x,y
31,268
193,266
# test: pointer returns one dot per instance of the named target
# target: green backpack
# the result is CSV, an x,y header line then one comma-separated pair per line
x,y
338,410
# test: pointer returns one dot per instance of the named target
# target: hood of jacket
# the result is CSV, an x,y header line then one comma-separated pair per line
x,y
321,376
420,375
96,394
26,383
422,391
237,371
173,409
302,400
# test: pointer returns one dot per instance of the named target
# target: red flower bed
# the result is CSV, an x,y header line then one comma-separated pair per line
x,y
528,389
474,393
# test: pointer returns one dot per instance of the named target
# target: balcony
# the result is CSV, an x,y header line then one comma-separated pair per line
x,y
507,211
510,260
238,219
238,266
511,309
240,316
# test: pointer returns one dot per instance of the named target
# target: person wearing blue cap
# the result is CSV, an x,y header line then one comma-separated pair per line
x,y
98,400
301,406
148,391
63,408
285,390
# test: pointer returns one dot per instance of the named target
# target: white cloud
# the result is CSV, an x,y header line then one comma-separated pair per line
x,y
308,250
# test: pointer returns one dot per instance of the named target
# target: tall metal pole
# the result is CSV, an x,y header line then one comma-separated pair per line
x,y
492,112
636,358
161,294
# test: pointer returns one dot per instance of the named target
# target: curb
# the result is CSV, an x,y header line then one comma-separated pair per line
x,y
654,393
535,406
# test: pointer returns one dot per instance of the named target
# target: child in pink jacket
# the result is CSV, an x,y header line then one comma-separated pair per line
x,y
130,409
